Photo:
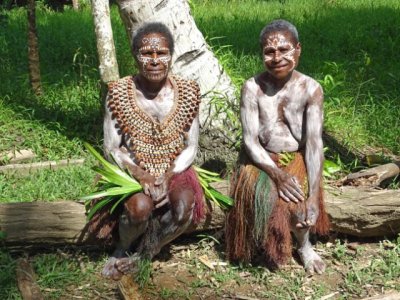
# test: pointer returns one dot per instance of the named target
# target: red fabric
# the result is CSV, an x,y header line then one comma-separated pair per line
x,y
188,179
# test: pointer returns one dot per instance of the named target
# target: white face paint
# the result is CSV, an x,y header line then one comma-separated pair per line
x,y
154,51
279,50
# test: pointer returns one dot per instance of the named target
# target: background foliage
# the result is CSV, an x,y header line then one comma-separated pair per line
x,y
350,46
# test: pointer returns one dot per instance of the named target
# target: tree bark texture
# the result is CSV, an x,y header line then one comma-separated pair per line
x,y
363,211
75,4
192,58
376,176
108,67
358,212
33,50
26,280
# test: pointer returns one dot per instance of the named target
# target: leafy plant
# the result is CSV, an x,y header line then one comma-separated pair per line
x,y
206,178
115,185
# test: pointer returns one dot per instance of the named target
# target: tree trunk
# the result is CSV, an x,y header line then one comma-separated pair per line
x,y
358,212
192,58
33,50
75,4
108,67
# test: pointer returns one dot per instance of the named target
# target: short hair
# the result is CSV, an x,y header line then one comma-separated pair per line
x,y
279,25
153,27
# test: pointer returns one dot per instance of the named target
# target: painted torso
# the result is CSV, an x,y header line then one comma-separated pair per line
x,y
282,112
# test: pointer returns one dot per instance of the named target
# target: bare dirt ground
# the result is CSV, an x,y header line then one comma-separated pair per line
x,y
195,268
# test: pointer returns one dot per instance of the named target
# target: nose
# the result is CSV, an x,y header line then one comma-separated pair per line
x,y
277,56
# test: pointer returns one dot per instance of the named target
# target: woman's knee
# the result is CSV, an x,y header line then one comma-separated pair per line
x,y
182,204
139,207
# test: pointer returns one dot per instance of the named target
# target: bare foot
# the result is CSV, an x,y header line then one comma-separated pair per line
x,y
127,265
115,268
110,271
312,262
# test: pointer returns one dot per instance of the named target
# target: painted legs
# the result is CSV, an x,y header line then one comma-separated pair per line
x,y
312,262
157,231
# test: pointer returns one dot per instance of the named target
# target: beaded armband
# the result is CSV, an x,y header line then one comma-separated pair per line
x,y
154,144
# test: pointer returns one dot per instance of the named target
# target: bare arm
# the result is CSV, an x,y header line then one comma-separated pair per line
x,y
113,142
186,157
314,156
249,116
288,187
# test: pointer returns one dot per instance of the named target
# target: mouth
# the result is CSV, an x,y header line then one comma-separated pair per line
x,y
278,67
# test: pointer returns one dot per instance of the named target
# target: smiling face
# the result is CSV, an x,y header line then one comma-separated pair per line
x,y
280,53
154,57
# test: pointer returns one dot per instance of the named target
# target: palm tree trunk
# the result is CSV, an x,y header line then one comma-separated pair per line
x,y
33,50
105,43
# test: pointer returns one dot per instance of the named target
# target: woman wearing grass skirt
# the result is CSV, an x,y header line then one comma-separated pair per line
x,y
151,128
277,186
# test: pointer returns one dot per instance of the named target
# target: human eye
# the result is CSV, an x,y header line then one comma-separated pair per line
x,y
163,52
268,51
284,50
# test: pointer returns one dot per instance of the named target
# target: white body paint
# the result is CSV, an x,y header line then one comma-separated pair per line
x,y
285,120
157,108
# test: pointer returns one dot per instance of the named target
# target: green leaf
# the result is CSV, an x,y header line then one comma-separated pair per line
x,y
108,166
114,191
99,205
203,171
330,167
115,205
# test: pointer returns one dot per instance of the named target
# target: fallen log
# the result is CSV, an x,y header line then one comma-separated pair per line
x,y
16,156
26,169
354,211
376,176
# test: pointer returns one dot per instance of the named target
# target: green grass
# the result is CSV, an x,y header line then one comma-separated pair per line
x,y
355,42
351,47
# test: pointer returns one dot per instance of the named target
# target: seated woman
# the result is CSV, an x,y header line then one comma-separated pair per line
x,y
277,188
151,127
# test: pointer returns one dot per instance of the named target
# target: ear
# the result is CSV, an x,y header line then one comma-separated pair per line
x,y
298,48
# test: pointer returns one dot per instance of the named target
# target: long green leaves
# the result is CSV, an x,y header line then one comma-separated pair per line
x,y
114,186
205,178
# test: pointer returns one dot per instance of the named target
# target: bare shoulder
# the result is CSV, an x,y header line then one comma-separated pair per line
x,y
250,90
310,86
250,85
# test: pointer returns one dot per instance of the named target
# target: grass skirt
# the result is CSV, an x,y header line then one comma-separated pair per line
x,y
260,220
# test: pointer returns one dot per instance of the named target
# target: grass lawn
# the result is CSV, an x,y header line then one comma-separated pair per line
x,y
349,46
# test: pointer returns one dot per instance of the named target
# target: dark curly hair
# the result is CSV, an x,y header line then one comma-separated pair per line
x,y
153,27
279,25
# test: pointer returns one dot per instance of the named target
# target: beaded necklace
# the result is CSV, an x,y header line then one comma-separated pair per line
x,y
155,145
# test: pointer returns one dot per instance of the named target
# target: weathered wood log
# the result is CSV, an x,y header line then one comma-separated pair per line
x,y
26,280
16,156
63,222
373,176
364,212
25,169
358,212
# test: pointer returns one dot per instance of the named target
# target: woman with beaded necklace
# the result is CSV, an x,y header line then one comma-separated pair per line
x,y
151,128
